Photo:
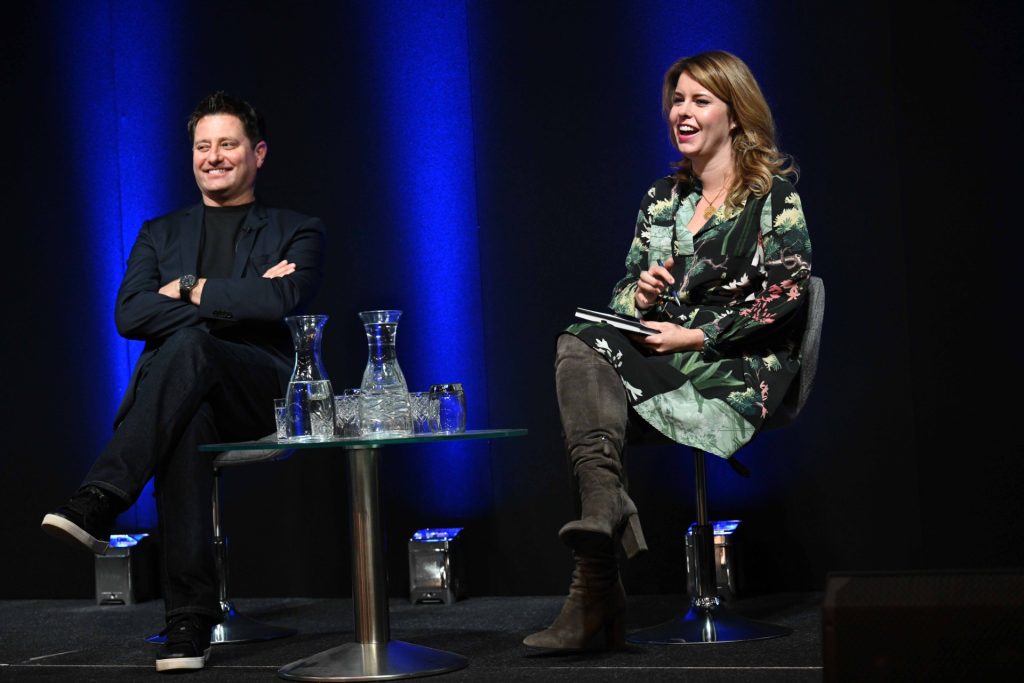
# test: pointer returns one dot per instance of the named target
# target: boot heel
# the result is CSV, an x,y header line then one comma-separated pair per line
x,y
632,539
615,631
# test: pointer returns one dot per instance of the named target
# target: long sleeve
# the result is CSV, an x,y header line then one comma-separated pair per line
x,y
263,299
783,257
653,232
738,287
141,312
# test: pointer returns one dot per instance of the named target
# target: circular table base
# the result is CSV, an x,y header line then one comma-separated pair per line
x,y
372,662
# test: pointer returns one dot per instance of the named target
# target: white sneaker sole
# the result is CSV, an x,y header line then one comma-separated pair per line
x,y
66,530
179,663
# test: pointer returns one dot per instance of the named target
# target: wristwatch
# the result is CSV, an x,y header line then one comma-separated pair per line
x,y
185,285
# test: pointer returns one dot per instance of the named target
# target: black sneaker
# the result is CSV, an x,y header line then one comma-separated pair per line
x,y
86,519
188,643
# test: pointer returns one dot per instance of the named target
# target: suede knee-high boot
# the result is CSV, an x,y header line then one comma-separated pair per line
x,y
593,408
592,404
593,616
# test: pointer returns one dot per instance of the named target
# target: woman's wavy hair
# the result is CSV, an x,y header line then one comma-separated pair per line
x,y
755,153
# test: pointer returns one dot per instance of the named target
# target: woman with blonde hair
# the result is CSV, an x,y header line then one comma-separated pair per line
x,y
718,267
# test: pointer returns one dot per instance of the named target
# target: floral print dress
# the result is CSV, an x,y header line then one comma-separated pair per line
x,y
742,280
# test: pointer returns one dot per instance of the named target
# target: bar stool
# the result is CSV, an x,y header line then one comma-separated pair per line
x,y
235,627
707,621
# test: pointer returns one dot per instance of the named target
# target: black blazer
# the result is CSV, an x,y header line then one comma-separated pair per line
x,y
168,247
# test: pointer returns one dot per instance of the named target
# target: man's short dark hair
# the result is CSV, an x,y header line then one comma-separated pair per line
x,y
222,103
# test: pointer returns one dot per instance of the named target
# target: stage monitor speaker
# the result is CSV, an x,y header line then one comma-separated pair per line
x,y
933,626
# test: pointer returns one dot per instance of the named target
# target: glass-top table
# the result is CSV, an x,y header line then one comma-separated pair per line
x,y
373,655
353,442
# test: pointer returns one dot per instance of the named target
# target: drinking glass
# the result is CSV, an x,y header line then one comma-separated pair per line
x,y
281,418
447,412
419,402
346,413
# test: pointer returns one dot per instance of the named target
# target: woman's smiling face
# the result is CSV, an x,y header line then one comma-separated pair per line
x,y
701,122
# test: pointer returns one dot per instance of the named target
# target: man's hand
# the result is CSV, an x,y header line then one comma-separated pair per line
x,y
280,270
173,290
672,337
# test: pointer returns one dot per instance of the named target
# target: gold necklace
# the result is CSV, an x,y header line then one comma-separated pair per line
x,y
710,210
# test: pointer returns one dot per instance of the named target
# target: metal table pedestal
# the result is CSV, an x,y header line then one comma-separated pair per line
x,y
372,662
374,656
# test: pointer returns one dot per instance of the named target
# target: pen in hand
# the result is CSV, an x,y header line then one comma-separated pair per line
x,y
671,290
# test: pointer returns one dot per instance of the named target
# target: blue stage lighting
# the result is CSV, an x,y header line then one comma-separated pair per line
x,y
123,106
420,53
126,540
439,535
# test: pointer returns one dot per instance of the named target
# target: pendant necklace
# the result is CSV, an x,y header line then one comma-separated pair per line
x,y
710,210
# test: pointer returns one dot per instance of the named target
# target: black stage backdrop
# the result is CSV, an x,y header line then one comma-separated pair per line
x,y
905,457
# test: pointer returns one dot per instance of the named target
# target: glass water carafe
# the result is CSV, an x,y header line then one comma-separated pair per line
x,y
384,395
309,401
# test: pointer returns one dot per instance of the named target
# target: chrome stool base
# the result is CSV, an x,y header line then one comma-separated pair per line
x,y
707,625
706,621
237,628
372,662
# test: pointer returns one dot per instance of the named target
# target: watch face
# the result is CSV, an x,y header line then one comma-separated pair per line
x,y
187,281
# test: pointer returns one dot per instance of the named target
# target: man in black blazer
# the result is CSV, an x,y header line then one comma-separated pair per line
x,y
206,288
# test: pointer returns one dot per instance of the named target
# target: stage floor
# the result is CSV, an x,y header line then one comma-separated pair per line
x,y
75,640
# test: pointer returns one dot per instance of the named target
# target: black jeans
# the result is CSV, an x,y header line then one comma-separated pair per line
x,y
197,389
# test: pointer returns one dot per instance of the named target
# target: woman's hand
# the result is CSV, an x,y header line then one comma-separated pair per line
x,y
652,283
672,337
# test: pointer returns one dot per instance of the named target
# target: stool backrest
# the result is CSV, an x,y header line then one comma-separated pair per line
x,y
802,383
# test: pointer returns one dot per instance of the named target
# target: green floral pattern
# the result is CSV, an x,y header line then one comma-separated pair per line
x,y
741,280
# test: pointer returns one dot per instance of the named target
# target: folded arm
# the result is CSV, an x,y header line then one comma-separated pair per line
x,y
270,298
142,311
147,308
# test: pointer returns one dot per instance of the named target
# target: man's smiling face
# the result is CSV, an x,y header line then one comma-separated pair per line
x,y
225,161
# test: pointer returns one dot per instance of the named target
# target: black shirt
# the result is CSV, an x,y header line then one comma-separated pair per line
x,y
221,227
